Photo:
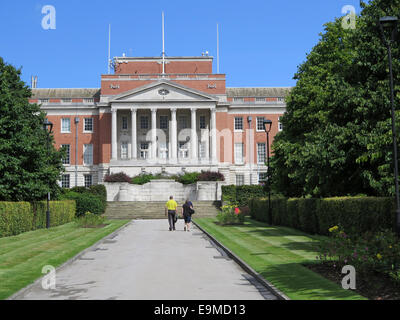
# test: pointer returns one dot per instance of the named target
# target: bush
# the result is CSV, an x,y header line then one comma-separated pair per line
x,y
86,202
117,177
15,218
211,176
230,215
90,220
188,178
61,212
99,190
307,217
241,195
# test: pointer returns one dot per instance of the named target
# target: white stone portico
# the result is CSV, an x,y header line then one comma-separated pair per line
x,y
163,126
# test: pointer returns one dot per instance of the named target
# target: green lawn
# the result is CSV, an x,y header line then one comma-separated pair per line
x,y
277,254
22,257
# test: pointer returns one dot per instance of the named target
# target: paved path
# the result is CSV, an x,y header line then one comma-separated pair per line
x,y
146,261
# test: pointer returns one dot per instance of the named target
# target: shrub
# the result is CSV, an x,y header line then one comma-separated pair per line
x,y
307,215
230,215
211,176
117,177
142,179
188,178
241,195
88,220
99,190
86,202
15,218
61,212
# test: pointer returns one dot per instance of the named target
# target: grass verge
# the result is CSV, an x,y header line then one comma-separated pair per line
x,y
22,257
277,254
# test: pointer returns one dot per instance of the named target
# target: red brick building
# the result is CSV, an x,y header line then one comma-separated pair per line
x,y
145,120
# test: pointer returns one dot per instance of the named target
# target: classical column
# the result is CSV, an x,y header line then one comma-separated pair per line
x,y
173,136
114,143
213,134
193,135
133,133
153,133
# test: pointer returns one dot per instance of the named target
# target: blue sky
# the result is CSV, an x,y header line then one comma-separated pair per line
x,y
261,42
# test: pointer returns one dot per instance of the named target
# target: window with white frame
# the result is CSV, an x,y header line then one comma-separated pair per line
x,y
144,150
261,153
281,99
43,101
88,100
239,179
202,150
260,99
163,122
202,123
280,125
262,177
238,123
124,150
65,125
124,123
67,149
88,154
238,99
182,122
65,181
88,125
260,123
88,180
163,150
239,153
183,150
144,122
66,100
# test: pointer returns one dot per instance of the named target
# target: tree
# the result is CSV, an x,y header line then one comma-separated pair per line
x,y
27,170
335,138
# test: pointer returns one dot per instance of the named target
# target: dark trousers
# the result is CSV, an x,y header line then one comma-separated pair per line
x,y
171,219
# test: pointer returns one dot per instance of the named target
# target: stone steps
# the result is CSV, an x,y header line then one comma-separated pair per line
x,y
155,210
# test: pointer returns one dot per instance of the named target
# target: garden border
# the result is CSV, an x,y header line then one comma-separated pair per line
x,y
280,295
68,262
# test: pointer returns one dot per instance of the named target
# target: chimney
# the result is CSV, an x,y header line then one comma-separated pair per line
x,y
34,80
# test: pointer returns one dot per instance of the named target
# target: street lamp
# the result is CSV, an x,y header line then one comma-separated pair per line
x,y
390,25
267,128
47,124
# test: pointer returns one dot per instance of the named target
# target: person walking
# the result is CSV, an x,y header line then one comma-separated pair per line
x,y
187,211
171,209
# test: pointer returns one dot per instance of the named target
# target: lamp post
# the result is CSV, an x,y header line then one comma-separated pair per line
x,y
47,124
267,128
390,24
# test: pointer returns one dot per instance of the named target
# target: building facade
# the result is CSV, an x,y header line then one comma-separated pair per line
x,y
156,115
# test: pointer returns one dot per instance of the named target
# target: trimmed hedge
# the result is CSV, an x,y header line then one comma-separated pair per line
x,y
241,195
86,202
15,218
355,215
19,217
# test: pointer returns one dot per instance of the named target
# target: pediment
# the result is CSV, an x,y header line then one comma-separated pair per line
x,y
163,91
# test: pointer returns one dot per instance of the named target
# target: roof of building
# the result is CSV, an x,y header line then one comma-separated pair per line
x,y
258,92
65,93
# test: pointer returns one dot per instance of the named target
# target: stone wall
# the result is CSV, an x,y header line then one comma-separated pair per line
x,y
161,190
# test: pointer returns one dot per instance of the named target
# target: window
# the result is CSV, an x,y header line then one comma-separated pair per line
x,y
88,126
261,154
65,125
67,148
163,150
144,122
260,123
239,153
124,123
262,177
238,123
259,99
67,100
144,150
88,180
124,150
163,122
88,154
65,181
281,99
43,101
182,122
88,100
203,122
202,150
280,125
238,99
239,179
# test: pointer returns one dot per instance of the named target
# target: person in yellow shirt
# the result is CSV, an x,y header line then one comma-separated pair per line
x,y
171,207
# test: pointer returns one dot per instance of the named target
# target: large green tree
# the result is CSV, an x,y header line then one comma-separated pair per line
x,y
27,170
337,134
